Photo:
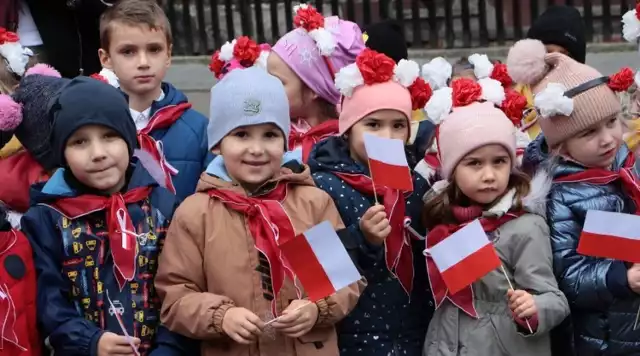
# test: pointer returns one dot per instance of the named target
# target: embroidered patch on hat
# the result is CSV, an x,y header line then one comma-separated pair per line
x,y
251,107
15,266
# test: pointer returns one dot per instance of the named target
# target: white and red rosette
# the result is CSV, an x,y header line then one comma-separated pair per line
x,y
308,18
17,57
242,52
372,67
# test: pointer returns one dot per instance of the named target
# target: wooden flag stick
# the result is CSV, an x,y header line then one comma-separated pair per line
x,y
293,311
511,287
375,194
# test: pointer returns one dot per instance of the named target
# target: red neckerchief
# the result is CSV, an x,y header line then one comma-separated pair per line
x,y
431,158
162,119
122,237
464,298
398,252
17,173
8,316
311,137
600,176
269,226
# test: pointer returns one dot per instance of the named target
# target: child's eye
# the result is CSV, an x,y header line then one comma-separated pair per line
x,y
473,163
111,135
372,124
587,133
400,125
500,161
155,49
271,134
612,122
240,134
78,142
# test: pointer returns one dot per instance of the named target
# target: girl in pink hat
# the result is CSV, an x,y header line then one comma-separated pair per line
x,y
306,60
497,314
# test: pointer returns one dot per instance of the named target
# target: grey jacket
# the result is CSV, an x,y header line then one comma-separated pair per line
x,y
524,248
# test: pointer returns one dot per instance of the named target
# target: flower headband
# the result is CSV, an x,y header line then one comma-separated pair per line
x,y
16,56
439,71
372,67
309,19
242,52
556,100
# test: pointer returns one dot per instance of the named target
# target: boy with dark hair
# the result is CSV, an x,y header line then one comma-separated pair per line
x,y
97,228
136,45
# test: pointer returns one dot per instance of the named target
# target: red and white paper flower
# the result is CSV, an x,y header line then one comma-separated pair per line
x,y
241,52
372,67
631,24
10,48
309,19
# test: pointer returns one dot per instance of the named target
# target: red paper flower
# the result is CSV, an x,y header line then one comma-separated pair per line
x,y
246,51
513,106
308,18
375,67
216,64
465,91
638,10
622,80
500,74
99,77
420,93
7,36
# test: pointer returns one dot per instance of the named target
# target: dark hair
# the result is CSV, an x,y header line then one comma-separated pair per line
x,y
437,209
328,110
133,13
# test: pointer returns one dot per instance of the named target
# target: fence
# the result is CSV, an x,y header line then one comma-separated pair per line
x,y
201,26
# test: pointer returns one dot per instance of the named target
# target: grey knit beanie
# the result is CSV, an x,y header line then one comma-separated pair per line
x,y
245,97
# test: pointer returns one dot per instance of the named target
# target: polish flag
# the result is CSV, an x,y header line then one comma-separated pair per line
x,y
611,235
320,261
388,162
464,257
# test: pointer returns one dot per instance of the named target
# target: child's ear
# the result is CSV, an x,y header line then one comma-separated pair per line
x,y
216,150
169,51
105,59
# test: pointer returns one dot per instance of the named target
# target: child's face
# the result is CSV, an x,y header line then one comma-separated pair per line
x,y
253,154
98,157
483,174
596,146
382,123
139,56
299,95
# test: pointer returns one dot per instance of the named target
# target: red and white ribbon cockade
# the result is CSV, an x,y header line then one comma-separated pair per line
x,y
242,52
308,18
17,57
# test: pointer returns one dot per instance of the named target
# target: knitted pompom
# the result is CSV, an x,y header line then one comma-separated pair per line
x,y
525,62
43,69
10,113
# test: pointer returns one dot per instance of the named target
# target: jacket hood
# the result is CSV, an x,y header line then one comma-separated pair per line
x,y
332,154
216,176
58,187
535,154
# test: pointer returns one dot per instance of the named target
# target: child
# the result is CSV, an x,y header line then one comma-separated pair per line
x,y
579,108
478,151
394,312
217,287
24,115
307,66
97,229
136,45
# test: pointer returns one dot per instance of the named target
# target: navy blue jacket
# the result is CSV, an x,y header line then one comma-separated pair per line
x,y
75,270
603,307
385,321
185,142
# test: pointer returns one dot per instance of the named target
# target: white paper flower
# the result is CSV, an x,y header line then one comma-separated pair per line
x,y
492,91
552,101
348,78
636,78
300,6
630,26
261,62
111,77
15,55
482,66
226,52
440,104
437,72
324,41
406,72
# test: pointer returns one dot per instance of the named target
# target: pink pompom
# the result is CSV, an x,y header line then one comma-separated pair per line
x,y
43,69
525,62
10,113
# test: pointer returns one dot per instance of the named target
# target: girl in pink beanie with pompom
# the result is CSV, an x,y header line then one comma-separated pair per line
x,y
307,60
477,150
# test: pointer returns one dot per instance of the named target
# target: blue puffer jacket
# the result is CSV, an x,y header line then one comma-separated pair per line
x,y
185,142
386,322
603,307
75,272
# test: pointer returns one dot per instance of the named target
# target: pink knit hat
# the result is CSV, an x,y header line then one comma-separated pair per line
x,y
569,96
375,82
470,127
318,48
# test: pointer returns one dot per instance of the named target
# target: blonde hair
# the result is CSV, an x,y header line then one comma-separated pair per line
x,y
438,208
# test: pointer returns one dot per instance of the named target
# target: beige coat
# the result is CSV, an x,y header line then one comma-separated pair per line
x,y
209,262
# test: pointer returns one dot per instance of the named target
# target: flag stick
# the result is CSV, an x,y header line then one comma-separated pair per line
x,y
375,194
635,325
511,287
293,311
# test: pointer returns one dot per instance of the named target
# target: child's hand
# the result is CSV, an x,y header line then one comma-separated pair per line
x,y
295,323
375,225
633,277
522,304
114,344
241,325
